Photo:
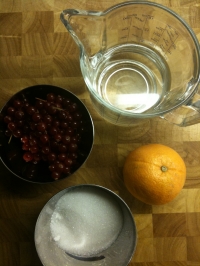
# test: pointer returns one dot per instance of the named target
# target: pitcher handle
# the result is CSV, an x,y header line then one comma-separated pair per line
x,y
188,114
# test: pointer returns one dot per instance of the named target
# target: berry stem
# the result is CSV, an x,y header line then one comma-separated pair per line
x,y
10,139
40,99
53,106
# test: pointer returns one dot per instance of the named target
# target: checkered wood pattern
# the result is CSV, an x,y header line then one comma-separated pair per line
x,y
35,48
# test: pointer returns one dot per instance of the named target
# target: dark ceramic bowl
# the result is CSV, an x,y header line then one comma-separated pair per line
x,y
11,152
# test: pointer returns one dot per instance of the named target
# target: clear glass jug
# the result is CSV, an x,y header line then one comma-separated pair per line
x,y
139,60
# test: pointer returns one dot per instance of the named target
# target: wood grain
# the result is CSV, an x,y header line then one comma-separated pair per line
x,y
35,48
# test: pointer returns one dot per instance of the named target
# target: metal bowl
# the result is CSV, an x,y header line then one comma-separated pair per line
x,y
85,225
11,153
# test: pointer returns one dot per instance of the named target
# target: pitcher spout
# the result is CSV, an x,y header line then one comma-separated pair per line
x,y
86,29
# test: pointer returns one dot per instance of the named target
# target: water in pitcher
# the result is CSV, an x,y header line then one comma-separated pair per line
x,y
131,77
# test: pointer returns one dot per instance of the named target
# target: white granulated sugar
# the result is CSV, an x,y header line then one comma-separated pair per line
x,y
86,221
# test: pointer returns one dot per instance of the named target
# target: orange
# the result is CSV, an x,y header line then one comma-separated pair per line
x,y
154,173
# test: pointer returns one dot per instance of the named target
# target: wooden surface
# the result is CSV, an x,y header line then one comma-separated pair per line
x,y
36,49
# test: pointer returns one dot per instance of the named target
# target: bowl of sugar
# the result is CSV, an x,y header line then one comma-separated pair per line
x,y
85,225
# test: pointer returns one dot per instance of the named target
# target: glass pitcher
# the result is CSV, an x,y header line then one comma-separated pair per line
x,y
139,60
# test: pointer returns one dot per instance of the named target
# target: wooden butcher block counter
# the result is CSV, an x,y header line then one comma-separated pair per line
x,y
35,48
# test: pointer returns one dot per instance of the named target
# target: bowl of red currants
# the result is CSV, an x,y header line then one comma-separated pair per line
x,y
46,134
